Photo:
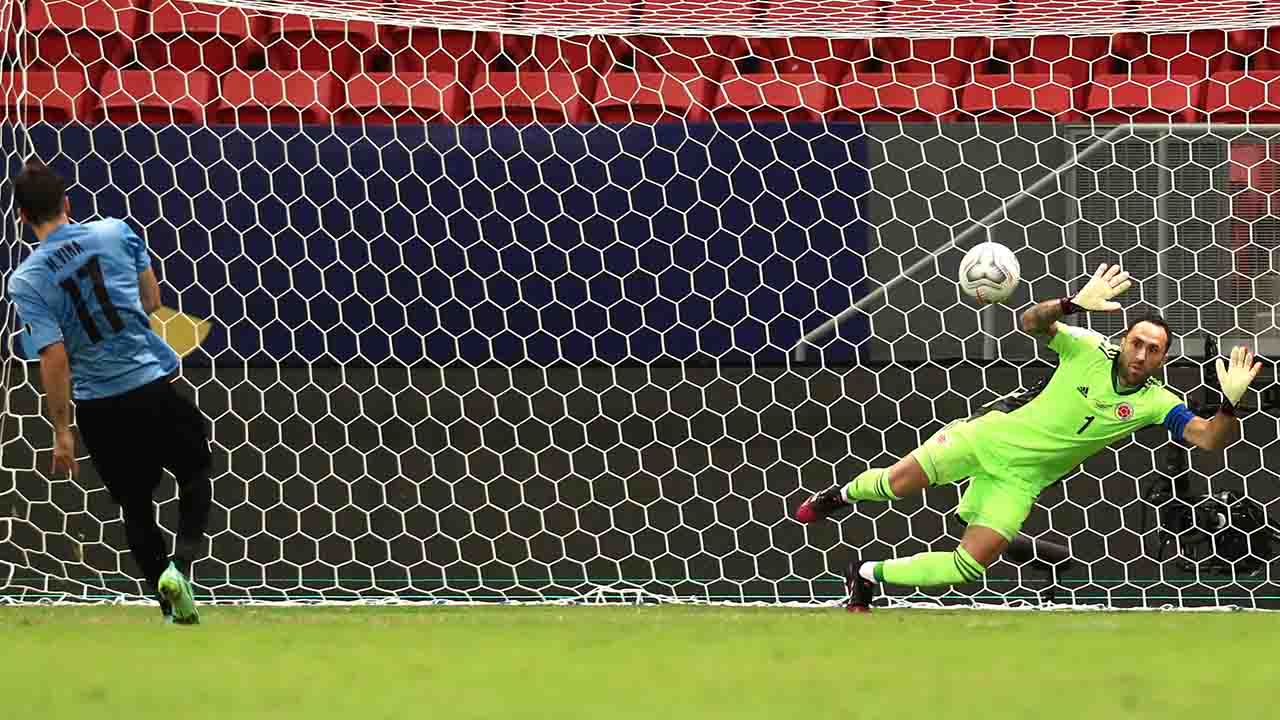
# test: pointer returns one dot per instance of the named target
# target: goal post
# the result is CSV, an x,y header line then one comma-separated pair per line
x,y
575,302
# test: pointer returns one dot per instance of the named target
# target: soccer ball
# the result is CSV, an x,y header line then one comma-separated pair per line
x,y
989,273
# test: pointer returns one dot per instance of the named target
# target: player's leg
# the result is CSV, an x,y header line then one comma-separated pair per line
x,y
186,455
994,510
946,457
131,480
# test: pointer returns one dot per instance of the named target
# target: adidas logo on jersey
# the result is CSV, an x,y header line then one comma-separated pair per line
x,y
1084,390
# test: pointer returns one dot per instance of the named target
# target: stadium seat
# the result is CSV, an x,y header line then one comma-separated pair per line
x,y
1032,78
82,35
159,97
881,97
300,42
948,57
269,97
525,97
199,36
1235,96
403,98
588,16
1253,50
1144,98
1070,59
654,97
707,56
1197,53
50,96
768,97
432,50
830,59
1020,96
1142,82
949,60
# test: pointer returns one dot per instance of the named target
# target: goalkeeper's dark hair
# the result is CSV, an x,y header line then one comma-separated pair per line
x,y
39,192
1155,319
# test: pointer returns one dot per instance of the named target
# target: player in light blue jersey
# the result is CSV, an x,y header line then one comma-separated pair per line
x,y
84,297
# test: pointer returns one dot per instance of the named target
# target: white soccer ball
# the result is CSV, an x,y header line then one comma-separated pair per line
x,y
989,273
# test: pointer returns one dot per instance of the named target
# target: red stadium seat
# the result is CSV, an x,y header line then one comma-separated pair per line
x,y
81,35
426,47
1254,50
830,59
767,97
526,97
706,56
1195,53
269,97
877,97
199,36
433,50
949,60
403,99
1144,98
1234,96
49,96
654,97
1070,59
564,15
300,42
1020,96
550,53
160,97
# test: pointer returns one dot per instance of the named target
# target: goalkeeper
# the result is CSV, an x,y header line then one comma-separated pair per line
x,y
83,297
1100,393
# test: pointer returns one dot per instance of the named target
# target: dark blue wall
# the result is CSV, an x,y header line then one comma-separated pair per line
x,y
510,245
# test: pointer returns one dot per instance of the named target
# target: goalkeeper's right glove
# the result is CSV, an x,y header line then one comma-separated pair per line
x,y
1234,380
1106,283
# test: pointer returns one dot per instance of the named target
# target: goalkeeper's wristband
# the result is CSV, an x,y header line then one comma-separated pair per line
x,y
1226,408
1068,307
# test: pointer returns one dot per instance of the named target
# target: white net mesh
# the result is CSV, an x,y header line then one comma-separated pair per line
x,y
526,314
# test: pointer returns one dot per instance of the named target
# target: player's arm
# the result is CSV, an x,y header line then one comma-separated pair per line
x,y
1215,433
1042,318
148,286
1106,283
149,290
42,335
55,376
1223,429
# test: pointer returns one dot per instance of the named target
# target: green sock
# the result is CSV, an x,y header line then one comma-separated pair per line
x,y
931,568
872,484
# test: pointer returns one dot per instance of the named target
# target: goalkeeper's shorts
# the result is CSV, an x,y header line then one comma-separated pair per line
x,y
1001,503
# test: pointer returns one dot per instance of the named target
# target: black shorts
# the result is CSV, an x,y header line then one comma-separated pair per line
x,y
133,437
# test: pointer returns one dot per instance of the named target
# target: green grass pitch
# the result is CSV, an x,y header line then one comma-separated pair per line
x,y
656,663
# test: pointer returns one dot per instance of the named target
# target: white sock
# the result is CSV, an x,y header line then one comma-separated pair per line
x,y
868,571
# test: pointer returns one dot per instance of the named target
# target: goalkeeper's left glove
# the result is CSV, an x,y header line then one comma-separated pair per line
x,y
1235,379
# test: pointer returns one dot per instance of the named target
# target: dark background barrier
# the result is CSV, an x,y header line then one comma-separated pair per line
x,y
524,363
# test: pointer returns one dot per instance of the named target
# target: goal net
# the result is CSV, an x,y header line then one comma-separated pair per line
x,y
529,301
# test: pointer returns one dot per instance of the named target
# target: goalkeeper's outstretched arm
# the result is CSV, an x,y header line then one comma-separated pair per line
x,y
1223,429
1042,318
1108,282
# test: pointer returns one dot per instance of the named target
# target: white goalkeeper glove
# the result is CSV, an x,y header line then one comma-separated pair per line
x,y
1235,379
1105,284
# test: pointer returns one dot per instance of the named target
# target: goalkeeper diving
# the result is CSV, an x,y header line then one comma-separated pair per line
x,y
1100,393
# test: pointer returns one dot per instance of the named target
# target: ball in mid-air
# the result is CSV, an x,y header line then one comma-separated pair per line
x,y
989,273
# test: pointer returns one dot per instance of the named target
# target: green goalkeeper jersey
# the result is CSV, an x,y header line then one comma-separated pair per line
x,y
1079,412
